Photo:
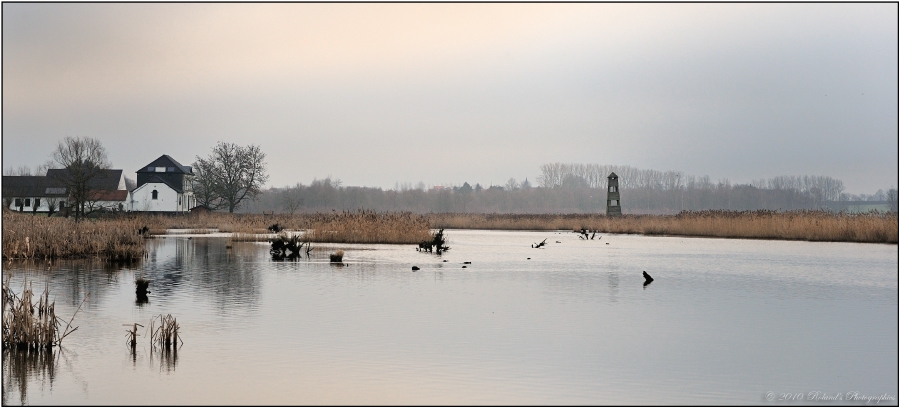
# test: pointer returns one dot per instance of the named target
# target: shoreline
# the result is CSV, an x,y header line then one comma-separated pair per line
x,y
117,237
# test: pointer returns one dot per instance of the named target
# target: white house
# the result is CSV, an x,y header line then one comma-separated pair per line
x,y
164,185
107,192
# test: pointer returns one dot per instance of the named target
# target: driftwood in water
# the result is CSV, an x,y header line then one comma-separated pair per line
x,y
140,289
544,242
647,278
285,246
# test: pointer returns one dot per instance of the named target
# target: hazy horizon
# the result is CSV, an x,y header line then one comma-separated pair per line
x,y
380,94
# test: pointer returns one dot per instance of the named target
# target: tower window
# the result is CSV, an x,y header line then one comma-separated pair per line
x,y
155,194
612,189
613,203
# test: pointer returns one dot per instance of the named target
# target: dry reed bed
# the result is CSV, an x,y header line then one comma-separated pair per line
x,y
28,324
28,236
792,225
368,227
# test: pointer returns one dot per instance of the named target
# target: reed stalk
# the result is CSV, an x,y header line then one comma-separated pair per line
x,y
30,324
164,332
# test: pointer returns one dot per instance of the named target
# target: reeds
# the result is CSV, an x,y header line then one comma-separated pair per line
x,y
29,237
368,227
337,256
791,225
131,335
164,332
30,325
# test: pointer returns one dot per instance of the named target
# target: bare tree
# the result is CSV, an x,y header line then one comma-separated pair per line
x,y
291,198
83,158
51,207
231,174
512,184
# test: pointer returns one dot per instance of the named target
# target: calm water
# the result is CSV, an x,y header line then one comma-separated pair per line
x,y
725,322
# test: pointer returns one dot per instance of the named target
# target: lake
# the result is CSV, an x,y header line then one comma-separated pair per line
x,y
725,322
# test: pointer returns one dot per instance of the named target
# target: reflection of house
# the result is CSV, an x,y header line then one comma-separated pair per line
x,y
40,193
164,185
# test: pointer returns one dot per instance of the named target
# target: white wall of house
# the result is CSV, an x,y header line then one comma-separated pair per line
x,y
43,205
167,199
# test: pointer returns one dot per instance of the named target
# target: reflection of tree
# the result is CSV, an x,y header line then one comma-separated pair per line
x,y
21,365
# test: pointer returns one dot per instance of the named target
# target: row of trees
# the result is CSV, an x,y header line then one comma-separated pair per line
x,y
595,176
232,177
328,194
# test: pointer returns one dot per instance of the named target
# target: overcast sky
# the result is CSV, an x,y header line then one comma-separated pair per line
x,y
374,94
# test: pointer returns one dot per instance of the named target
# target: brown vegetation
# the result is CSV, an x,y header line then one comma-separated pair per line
x,y
30,325
30,237
27,236
792,225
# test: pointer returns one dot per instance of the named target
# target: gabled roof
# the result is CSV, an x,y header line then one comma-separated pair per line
x,y
31,186
612,175
171,165
156,179
105,180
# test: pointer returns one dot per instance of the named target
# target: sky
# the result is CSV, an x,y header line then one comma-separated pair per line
x,y
379,94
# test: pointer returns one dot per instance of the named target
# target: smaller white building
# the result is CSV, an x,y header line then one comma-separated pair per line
x,y
159,196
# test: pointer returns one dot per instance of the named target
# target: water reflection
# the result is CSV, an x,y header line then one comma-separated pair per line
x,y
21,366
613,287
505,330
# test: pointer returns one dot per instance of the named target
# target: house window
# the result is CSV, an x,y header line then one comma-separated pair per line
x,y
179,200
170,169
155,194
37,202
18,202
28,202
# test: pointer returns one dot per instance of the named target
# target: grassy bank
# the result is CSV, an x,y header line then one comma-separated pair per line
x,y
37,237
792,225
27,236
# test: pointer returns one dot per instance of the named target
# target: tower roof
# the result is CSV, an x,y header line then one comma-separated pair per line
x,y
612,175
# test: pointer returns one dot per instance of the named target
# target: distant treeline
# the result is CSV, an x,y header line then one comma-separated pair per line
x,y
571,188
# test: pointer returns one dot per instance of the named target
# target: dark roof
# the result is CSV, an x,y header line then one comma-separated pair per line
x,y
156,179
105,180
171,165
612,175
31,186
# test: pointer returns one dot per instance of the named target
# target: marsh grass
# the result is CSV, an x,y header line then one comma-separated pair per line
x,y
29,237
30,324
792,225
164,332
